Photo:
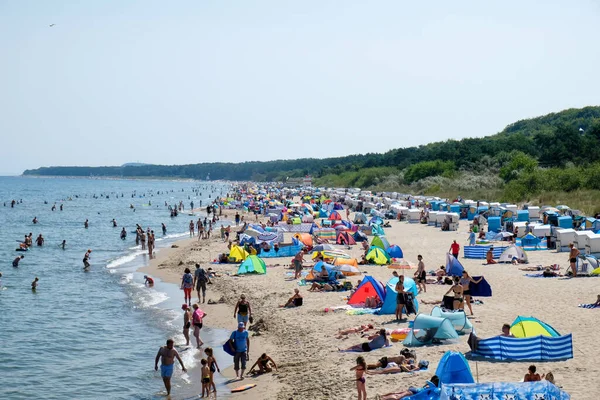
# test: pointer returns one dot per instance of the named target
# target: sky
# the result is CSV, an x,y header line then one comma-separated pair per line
x,y
203,81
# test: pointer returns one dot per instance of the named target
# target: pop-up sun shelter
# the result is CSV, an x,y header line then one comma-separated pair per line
x,y
237,253
426,328
252,265
513,251
395,251
381,242
377,256
454,368
525,327
459,319
389,304
345,238
453,266
368,287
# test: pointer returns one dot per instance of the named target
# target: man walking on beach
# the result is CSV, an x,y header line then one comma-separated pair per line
x,y
200,280
455,249
167,355
240,342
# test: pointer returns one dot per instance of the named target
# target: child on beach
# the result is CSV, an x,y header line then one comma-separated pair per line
x,y
360,368
212,366
205,371
531,375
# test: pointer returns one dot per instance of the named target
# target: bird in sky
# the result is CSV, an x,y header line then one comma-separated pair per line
x,y
51,25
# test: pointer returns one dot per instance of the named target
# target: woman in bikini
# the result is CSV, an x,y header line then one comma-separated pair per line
x,y
457,289
212,367
360,368
464,282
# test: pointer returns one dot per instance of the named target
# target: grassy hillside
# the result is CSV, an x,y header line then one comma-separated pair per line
x,y
558,152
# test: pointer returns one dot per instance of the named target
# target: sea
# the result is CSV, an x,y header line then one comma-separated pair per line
x,y
92,334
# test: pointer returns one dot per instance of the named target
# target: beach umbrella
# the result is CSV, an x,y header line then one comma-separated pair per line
x,y
401,264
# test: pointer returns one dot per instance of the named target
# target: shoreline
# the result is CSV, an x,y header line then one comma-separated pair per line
x,y
220,315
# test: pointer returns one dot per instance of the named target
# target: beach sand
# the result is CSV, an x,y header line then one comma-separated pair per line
x,y
301,340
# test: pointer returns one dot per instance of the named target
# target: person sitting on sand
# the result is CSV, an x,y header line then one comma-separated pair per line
x,y
265,364
410,391
597,303
372,302
489,256
531,375
441,272
343,333
506,331
295,300
380,341
321,287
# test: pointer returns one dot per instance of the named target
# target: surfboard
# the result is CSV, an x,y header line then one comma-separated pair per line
x,y
243,388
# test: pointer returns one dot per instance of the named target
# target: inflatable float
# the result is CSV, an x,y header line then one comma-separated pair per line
x,y
243,388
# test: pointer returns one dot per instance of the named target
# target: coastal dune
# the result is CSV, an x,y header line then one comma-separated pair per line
x,y
301,340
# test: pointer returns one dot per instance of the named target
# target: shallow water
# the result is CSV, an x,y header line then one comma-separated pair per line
x,y
88,335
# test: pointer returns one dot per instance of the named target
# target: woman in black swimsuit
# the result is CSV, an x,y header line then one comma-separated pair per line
x,y
458,294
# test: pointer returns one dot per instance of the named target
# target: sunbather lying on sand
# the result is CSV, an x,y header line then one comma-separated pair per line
x,y
408,366
343,333
408,392
539,268
385,361
380,341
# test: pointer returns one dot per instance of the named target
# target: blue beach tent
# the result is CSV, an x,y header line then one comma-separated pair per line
x,y
453,266
395,251
454,368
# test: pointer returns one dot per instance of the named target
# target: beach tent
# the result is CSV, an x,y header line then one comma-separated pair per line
x,y
526,327
360,236
401,264
530,240
538,348
541,390
345,238
513,251
305,238
322,247
453,266
459,319
335,216
316,271
377,256
454,368
347,269
369,287
395,251
376,221
377,230
237,253
345,261
586,265
252,265
481,289
389,304
381,242
426,328
360,218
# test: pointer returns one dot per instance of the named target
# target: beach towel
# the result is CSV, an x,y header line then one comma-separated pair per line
x,y
362,311
540,275
588,306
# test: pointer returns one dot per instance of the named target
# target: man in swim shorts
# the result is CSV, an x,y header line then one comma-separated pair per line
x,y
167,355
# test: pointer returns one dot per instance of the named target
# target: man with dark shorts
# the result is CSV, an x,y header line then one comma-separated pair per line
x,y
86,259
455,249
298,260
240,341
200,280
167,355
573,253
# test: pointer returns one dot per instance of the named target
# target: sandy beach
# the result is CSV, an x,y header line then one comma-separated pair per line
x,y
301,340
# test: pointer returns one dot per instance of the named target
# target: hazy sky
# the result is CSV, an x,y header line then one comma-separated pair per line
x,y
175,82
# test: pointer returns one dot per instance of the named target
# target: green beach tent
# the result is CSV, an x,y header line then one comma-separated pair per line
x,y
252,265
378,256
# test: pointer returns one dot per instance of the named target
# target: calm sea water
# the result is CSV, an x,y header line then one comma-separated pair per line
x,y
88,335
